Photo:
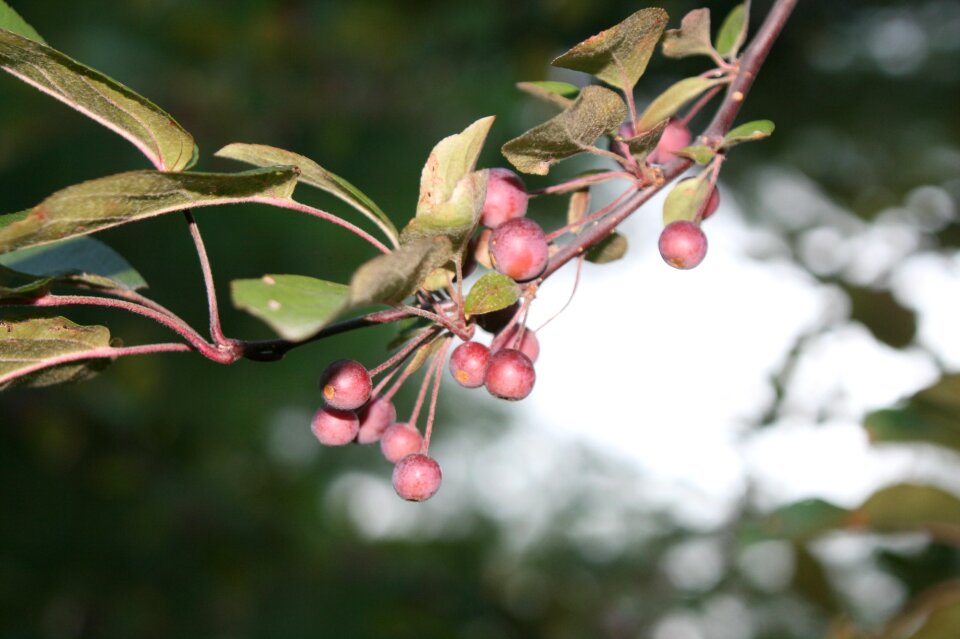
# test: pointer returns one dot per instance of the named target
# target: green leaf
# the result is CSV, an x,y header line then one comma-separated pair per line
x,y
934,614
450,161
755,130
596,111
561,94
619,55
687,199
29,350
643,145
153,131
699,153
6,219
295,306
456,218
800,521
127,197
83,260
733,32
391,278
313,174
932,415
692,38
14,285
609,249
492,292
910,507
11,21
673,99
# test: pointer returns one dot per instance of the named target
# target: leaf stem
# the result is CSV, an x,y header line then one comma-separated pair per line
x,y
293,205
404,352
578,183
431,415
216,331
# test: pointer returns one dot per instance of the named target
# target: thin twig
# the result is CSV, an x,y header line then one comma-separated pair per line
x,y
216,331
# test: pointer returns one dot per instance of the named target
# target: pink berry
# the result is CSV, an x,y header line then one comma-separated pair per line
x,y
375,417
399,440
529,344
345,384
510,375
334,427
506,198
519,249
712,204
468,364
417,477
682,244
675,137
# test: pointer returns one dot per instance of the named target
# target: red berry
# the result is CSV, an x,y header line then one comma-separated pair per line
x,y
417,477
712,204
529,344
510,375
675,137
682,244
399,440
334,427
506,198
468,364
519,249
345,384
375,417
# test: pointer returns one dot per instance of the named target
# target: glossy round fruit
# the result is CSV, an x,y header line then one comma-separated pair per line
x,y
683,244
468,364
675,137
519,249
417,477
399,440
506,198
529,344
510,375
334,427
375,417
345,384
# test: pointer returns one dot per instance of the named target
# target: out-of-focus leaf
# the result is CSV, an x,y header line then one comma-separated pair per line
x,y
492,292
687,199
314,175
748,132
11,21
733,31
609,249
673,99
810,579
906,507
643,145
935,614
799,521
29,350
561,94
596,111
619,55
692,38
699,153
15,285
578,208
128,197
83,260
880,311
932,415
422,354
153,131
295,306
391,278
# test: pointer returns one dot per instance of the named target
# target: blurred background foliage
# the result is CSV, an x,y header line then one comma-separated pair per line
x,y
172,497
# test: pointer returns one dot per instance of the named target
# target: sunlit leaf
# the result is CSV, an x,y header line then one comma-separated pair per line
x,y
619,55
673,99
932,415
30,350
609,249
454,218
11,21
561,94
312,174
692,38
82,260
699,153
733,31
295,306
491,292
596,111
748,132
153,131
128,197
450,161
687,199
391,278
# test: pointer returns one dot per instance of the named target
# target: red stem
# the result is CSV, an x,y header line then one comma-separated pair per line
x,y
216,331
323,215
428,431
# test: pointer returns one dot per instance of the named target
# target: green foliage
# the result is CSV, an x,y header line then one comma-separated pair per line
x,y
672,100
643,144
733,31
492,292
699,153
687,199
28,347
11,21
561,94
748,132
83,260
609,249
929,416
295,306
692,38
391,278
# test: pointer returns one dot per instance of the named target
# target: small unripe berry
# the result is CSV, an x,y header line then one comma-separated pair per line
x,y
375,418
506,198
712,204
519,249
682,244
345,384
675,136
468,364
417,477
510,375
334,427
399,440
529,344
495,321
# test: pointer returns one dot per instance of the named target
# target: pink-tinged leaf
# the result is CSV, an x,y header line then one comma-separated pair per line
x,y
46,351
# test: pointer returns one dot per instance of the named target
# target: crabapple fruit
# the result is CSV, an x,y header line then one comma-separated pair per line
x,y
468,364
345,384
375,417
682,244
506,198
510,375
519,249
334,427
675,136
399,440
417,477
